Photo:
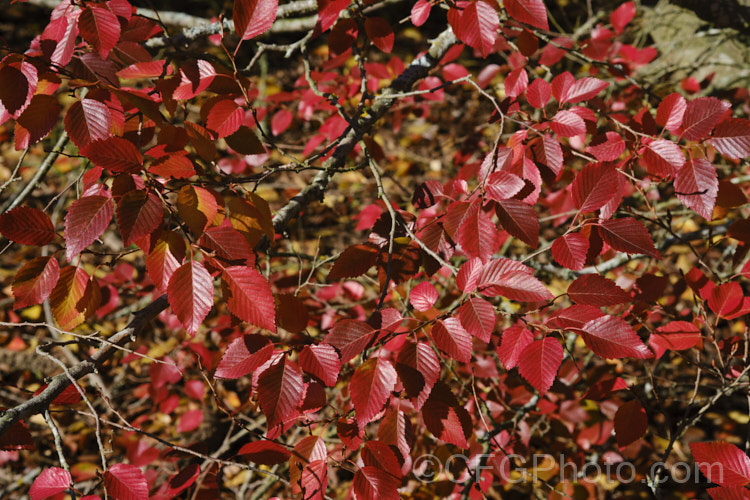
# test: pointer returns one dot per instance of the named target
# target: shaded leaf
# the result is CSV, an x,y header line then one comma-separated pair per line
x,y
114,154
244,355
596,290
34,281
322,361
86,121
280,390
675,336
731,138
86,220
139,213
629,236
631,423
520,220
594,186
167,255
27,226
349,336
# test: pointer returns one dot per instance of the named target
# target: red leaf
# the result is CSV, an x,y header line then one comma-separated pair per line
x,y
145,69
477,26
418,368
27,226
281,121
696,186
353,262
631,423
379,455
167,255
596,290
197,207
621,16
561,85
514,340
100,28
611,337
701,116
594,186
446,418
520,220
280,390
308,451
380,33
371,483
250,297
86,220
675,336
87,121
125,482
225,117
478,318
729,493
722,463
567,124
371,387
14,89
574,316
671,111
253,17
725,298
516,83
538,93
539,361
512,282
420,11
504,185
530,12
138,213
244,355
731,138
227,243
477,235
39,117
449,335
350,337
34,281
116,154
605,388
190,420
584,89
191,294
49,483
185,478
423,296
328,13
265,452
570,250
663,157
322,361
68,298
629,236
607,147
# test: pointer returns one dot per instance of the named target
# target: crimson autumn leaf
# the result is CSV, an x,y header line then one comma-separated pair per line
x,y
476,25
701,116
191,294
370,388
731,138
663,157
513,341
607,147
477,316
114,154
539,361
418,368
378,454
621,16
86,121
125,482
570,250
629,236
594,186
567,124
512,282
167,255
349,337
671,111
445,418
34,281
423,296
520,220
696,186
244,355
322,361
538,93
49,483
227,243
584,89
631,423
99,27
372,483
225,117
15,87
27,226
611,337
451,337
86,220
183,479
395,430
139,213
477,235
264,452
725,298
516,83
308,450
380,33
502,185
250,297
722,463
39,118
420,11
253,17
676,336
596,290
530,12
280,390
